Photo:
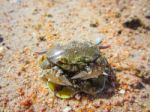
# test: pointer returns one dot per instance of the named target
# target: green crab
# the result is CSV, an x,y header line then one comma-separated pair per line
x,y
75,67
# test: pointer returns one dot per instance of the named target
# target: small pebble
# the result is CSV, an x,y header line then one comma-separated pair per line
x,y
95,24
146,95
122,91
78,96
1,50
34,35
41,38
1,39
99,39
132,99
146,12
136,84
67,109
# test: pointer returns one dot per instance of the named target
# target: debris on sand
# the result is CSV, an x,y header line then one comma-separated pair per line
x,y
1,38
67,109
122,91
133,23
1,52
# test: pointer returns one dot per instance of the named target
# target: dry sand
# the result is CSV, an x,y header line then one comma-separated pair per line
x,y
29,26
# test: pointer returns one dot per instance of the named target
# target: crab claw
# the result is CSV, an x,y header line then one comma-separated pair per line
x,y
83,74
50,75
80,75
87,75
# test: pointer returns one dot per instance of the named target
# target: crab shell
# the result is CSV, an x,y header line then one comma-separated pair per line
x,y
73,56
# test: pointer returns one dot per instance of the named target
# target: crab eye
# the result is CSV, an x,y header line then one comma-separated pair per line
x,y
44,63
63,60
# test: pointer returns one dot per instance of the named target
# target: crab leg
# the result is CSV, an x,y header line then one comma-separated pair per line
x,y
104,47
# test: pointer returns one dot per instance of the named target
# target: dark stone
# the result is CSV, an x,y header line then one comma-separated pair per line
x,y
1,38
137,85
49,15
119,32
133,24
94,24
42,38
146,80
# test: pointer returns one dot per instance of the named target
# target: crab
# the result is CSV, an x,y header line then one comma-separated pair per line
x,y
79,66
